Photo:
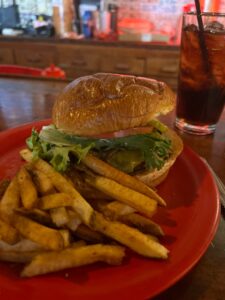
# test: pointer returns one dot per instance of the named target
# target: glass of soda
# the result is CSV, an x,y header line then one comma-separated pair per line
x,y
201,81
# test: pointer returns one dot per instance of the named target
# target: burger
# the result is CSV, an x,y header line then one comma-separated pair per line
x,y
114,117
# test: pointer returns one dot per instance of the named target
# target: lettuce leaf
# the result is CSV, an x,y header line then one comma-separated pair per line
x,y
58,156
56,147
155,148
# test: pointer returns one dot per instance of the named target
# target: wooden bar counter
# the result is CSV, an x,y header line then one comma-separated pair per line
x,y
24,100
83,57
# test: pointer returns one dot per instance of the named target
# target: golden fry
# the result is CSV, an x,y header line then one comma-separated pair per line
x,y
43,183
104,169
153,237
27,188
73,257
74,220
116,208
61,184
141,223
59,216
55,200
47,237
10,199
36,214
140,202
8,234
66,237
23,245
19,257
130,237
26,250
112,209
26,253
3,186
85,233
78,244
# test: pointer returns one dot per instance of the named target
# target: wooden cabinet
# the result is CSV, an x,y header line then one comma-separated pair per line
x,y
79,58
78,61
6,55
163,67
123,65
166,65
35,56
124,61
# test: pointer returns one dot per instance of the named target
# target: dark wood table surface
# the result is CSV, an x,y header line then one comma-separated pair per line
x,y
24,100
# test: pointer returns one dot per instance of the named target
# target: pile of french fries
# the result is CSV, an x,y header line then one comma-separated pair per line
x,y
48,226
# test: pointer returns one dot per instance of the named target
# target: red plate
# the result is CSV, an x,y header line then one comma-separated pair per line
x,y
189,221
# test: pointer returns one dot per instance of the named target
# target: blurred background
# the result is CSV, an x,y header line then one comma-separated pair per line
x,y
71,38
126,20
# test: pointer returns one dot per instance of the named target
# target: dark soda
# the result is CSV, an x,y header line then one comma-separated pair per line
x,y
201,107
201,86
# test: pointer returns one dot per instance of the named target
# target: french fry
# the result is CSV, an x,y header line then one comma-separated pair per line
x,y
24,255
74,220
59,216
4,183
36,215
55,200
116,208
141,223
98,204
140,202
8,234
153,237
104,169
85,233
27,188
119,208
66,237
111,209
23,245
132,238
43,183
18,257
73,257
61,184
26,251
47,237
10,199
78,244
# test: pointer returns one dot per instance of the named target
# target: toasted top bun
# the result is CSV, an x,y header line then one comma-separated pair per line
x,y
155,177
103,103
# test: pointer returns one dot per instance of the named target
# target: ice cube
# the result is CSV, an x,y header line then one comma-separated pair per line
x,y
214,27
191,27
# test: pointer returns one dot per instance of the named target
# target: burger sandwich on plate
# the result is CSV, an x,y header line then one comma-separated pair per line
x,y
114,117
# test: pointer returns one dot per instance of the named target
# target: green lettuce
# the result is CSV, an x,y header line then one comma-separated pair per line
x,y
57,147
58,156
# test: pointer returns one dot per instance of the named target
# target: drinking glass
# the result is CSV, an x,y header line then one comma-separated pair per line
x,y
201,81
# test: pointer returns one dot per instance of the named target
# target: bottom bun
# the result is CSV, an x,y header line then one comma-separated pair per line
x,y
155,177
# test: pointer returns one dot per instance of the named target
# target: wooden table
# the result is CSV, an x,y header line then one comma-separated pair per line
x,y
23,101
